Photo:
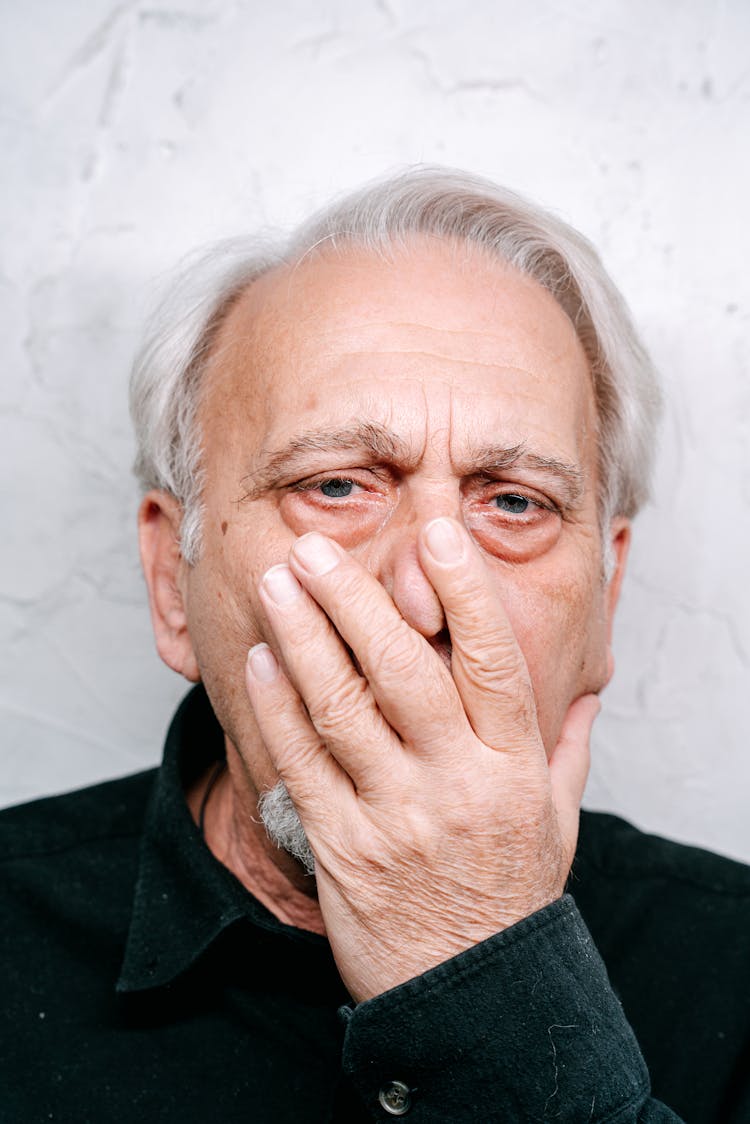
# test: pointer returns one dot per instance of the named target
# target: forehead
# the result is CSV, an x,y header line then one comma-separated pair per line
x,y
349,332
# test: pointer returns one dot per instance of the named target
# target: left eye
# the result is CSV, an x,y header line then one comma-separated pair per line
x,y
337,488
512,503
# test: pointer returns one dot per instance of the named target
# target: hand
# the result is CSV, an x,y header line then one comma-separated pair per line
x,y
433,814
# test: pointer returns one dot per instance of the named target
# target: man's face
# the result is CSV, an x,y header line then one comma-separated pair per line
x,y
363,398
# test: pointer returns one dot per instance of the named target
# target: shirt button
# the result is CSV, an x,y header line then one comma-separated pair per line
x,y
395,1098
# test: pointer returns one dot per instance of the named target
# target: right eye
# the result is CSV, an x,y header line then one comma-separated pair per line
x,y
337,488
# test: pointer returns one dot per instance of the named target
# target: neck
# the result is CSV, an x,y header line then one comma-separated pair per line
x,y
237,838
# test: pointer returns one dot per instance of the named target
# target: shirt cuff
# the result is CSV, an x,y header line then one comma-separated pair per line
x,y
523,1026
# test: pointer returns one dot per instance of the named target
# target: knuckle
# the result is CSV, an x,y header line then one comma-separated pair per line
x,y
311,632
489,658
396,652
496,674
341,702
300,749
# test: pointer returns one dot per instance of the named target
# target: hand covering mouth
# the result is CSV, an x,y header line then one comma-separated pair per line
x,y
440,642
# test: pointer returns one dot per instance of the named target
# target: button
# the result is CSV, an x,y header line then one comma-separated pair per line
x,y
395,1098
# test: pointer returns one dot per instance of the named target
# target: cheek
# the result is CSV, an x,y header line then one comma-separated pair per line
x,y
560,628
350,524
225,617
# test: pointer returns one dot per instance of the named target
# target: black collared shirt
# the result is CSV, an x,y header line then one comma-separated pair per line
x,y
141,982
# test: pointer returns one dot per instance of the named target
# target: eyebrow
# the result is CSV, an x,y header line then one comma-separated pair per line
x,y
382,446
569,477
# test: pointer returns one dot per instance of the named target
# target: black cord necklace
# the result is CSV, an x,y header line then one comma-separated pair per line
x,y
219,768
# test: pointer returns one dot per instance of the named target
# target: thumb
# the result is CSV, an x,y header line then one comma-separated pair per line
x,y
569,764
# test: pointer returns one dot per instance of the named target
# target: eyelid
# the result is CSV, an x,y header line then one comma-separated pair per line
x,y
310,485
510,488
353,475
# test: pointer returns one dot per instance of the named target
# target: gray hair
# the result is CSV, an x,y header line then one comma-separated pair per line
x,y
283,825
380,218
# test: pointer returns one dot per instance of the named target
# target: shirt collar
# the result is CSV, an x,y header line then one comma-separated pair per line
x,y
184,897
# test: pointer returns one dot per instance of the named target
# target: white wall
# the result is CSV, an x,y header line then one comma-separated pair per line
x,y
132,131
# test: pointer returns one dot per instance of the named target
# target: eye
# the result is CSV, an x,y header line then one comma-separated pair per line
x,y
513,504
337,488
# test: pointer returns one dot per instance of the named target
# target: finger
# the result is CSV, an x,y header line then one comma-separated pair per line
x,y
311,774
413,690
486,663
569,764
337,699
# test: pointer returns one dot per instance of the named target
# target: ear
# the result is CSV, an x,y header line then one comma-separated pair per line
x,y
164,568
619,540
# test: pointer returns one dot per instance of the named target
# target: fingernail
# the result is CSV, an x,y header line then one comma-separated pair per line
x,y
262,663
316,553
443,541
281,585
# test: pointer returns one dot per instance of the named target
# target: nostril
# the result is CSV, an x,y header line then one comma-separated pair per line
x,y
419,606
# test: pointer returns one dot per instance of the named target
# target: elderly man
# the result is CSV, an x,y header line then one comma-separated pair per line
x,y
389,471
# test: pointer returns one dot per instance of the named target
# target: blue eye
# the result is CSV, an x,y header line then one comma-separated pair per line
x,y
336,488
513,504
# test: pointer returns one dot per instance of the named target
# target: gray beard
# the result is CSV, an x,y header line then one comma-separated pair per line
x,y
283,825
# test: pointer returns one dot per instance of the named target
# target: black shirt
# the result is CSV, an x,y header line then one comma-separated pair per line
x,y
142,982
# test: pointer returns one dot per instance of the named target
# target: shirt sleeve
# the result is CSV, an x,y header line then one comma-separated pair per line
x,y
523,1026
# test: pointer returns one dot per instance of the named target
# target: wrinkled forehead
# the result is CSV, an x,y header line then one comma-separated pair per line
x,y
357,327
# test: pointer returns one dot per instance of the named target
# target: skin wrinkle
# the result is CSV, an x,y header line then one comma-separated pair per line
x,y
273,374
553,356
373,440
243,336
423,353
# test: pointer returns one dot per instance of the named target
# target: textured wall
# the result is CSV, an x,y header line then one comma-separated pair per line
x,y
132,131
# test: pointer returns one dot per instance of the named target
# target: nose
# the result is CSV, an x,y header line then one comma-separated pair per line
x,y
412,594
394,561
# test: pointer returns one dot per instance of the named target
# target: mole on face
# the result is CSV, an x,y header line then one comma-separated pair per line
x,y
224,526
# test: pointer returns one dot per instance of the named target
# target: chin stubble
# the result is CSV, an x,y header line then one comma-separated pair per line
x,y
283,825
